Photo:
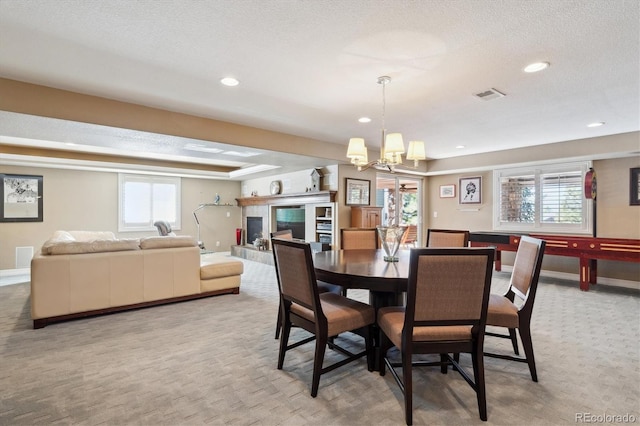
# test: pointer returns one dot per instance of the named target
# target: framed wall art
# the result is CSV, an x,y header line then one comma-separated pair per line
x,y
447,191
634,186
21,198
357,192
471,190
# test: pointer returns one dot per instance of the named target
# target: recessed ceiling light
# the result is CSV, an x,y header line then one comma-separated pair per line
x,y
596,124
229,81
364,120
460,147
536,66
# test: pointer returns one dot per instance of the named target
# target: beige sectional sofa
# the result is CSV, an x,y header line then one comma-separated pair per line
x,y
79,273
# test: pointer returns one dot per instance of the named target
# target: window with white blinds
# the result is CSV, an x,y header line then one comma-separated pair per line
x,y
546,198
145,199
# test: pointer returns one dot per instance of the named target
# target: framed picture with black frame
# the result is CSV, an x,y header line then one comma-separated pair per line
x,y
357,192
634,186
21,198
470,190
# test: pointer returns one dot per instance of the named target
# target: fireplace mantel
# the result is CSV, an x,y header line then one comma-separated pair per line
x,y
300,198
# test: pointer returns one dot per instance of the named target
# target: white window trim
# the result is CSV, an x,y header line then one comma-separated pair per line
x,y
586,227
124,177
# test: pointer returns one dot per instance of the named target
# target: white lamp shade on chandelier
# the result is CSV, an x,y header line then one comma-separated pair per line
x,y
357,151
416,152
391,145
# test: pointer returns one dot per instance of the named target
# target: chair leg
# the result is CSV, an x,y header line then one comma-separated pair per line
x,y
368,341
444,360
321,345
278,323
477,359
385,345
514,340
525,335
408,387
284,341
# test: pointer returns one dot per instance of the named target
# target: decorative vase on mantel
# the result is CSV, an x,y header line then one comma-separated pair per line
x,y
391,236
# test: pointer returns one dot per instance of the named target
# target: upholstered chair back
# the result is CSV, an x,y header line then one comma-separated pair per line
x,y
359,238
447,238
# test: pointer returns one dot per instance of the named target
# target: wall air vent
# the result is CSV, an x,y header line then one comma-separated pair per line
x,y
490,94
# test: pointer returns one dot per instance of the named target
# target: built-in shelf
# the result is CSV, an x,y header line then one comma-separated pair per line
x,y
300,198
217,205
324,226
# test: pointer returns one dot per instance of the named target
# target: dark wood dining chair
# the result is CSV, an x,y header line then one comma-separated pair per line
x,y
446,313
513,309
324,315
323,287
359,238
447,238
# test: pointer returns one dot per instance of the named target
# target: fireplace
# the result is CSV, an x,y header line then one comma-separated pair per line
x,y
260,215
254,229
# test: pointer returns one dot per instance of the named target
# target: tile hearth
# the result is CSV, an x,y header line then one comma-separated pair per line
x,y
251,253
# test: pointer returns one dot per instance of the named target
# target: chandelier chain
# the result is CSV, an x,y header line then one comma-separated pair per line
x,y
384,104
391,146
384,80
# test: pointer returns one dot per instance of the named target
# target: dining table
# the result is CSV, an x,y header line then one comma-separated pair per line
x,y
366,269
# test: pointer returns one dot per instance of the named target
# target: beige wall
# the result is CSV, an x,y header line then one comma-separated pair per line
x,y
349,171
86,200
450,214
615,217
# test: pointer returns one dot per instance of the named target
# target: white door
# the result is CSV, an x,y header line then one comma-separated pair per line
x,y
401,200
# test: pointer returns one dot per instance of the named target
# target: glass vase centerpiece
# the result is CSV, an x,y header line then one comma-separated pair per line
x,y
391,237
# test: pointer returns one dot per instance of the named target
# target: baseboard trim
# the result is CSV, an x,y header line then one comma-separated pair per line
x,y
13,272
14,276
614,282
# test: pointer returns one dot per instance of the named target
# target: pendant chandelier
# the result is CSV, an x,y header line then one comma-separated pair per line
x,y
391,145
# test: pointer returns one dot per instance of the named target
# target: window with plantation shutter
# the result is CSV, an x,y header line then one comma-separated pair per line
x,y
517,199
561,197
544,198
145,199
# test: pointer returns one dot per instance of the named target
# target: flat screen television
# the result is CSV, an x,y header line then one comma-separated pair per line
x,y
291,218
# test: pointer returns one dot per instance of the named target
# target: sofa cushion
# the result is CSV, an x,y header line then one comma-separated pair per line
x,y
96,246
92,235
56,238
167,242
217,267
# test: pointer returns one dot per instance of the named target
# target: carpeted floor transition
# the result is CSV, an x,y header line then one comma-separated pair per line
x,y
213,361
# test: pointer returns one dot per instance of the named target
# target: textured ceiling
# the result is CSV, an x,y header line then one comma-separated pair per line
x,y
310,67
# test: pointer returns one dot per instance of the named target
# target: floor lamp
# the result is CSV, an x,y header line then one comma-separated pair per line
x,y
200,243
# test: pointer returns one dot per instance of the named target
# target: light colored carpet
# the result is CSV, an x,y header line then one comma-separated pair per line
x,y
213,361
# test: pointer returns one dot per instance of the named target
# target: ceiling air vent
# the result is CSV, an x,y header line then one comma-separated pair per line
x,y
490,94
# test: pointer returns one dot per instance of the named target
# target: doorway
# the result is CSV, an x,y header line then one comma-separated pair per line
x,y
401,200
